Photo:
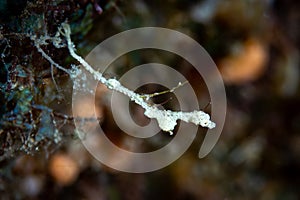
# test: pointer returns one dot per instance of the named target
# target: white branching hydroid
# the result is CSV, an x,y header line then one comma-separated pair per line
x,y
167,119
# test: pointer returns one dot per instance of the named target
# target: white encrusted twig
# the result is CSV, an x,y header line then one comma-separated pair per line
x,y
167,119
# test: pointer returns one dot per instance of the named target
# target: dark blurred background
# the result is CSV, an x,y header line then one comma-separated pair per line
x,y
255,44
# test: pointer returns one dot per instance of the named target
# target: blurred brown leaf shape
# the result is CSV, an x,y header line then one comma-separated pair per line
x,y
248,64
63,169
